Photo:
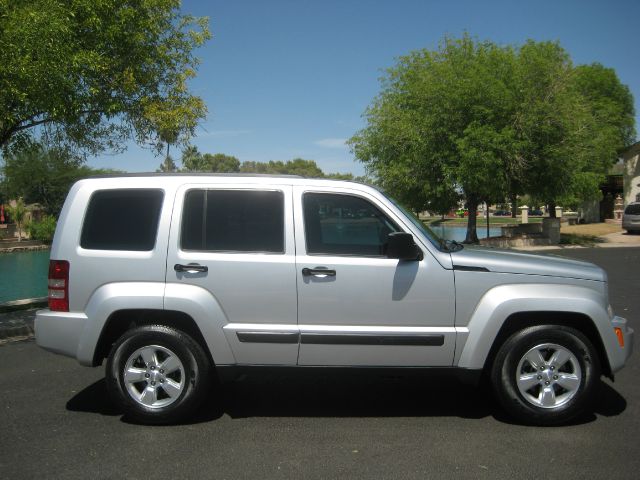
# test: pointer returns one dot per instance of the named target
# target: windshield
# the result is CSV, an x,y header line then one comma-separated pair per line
x,y
439,243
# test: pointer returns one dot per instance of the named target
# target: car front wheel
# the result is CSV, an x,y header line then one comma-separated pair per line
x,y
157,374
546,375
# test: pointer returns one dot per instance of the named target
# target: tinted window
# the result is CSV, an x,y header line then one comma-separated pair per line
x,y
122,220
344,225
633,209
233,221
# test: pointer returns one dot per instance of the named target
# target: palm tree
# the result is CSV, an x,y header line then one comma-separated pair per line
x,y
18,213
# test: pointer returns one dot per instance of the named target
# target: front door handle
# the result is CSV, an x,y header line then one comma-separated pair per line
x,y
319,272
191,268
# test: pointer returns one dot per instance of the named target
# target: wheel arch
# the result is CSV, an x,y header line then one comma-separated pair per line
x,y
507,308
578,321
122,320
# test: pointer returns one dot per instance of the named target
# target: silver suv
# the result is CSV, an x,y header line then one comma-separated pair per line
x,y
631,218
174,279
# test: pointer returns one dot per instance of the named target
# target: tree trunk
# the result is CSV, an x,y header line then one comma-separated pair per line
x,y
514,205
472,235
486,212
552,209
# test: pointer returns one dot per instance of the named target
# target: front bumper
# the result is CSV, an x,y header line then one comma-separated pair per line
x,y
618,361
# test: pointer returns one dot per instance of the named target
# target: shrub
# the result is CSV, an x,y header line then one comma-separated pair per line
x,y
43,230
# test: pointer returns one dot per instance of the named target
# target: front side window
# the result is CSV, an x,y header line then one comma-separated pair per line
x,y
345,225
122,219
233,221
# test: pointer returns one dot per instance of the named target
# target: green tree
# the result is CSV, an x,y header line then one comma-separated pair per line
x,y
191,159
194,161
168,165
44,175
297,166
493,122
93,73
442,124
43,230
221,163
572,121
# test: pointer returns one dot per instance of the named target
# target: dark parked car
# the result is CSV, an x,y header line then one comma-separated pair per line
x,y
502,213
536,213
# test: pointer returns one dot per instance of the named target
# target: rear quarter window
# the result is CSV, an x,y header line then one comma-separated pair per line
x,y
122,219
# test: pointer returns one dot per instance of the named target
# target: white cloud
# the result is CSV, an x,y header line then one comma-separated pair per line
x,y
331,142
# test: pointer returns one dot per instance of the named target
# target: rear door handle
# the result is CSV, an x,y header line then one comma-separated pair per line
x,y
319,272
191,268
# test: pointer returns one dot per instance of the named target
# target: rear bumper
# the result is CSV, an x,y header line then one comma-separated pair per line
x,y
60,332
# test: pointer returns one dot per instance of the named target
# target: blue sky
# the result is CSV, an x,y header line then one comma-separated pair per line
x,y
285,79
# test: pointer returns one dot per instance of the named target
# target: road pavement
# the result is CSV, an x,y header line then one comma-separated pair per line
x,y
57,422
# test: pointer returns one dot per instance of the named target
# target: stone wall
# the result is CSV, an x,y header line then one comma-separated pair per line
x,y
632,174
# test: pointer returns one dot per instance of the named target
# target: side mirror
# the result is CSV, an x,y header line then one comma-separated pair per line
x,y
401,246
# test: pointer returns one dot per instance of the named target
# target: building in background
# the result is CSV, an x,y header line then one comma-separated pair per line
x,y
631,180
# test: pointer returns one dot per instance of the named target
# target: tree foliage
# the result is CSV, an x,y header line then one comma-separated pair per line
x,y
42,230
492,121
195,161
90,74
168,165
441,125
43,175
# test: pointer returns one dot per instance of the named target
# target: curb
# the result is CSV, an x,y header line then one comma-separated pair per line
x,y
24,304
17,319
15,333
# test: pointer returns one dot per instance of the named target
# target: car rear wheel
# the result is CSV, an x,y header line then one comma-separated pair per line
x,y
157,374
546,375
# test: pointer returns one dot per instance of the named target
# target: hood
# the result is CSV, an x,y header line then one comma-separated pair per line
x,y
508,261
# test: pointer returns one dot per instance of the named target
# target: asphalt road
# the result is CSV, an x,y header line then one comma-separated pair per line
x,y
56,422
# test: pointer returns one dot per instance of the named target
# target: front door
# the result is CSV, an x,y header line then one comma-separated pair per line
x,y
355,305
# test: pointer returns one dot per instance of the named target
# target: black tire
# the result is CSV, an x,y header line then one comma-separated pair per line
x,y
174,394
547,401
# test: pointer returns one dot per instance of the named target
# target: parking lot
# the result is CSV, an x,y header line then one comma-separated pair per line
x,y
57,422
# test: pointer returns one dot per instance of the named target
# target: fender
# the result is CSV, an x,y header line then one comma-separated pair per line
x,y
192,300
502,301
110,298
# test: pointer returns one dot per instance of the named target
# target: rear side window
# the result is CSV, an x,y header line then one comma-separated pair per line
x,y
633,209
124,219
233,221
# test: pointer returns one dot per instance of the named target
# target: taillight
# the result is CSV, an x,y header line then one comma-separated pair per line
x,y
59,285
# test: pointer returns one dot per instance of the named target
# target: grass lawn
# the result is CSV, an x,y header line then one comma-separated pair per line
x,y
593,229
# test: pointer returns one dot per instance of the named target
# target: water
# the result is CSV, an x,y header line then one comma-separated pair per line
x,y
23,275
459,233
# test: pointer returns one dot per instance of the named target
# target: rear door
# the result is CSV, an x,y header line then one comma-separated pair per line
x,y
236,241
